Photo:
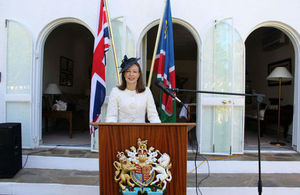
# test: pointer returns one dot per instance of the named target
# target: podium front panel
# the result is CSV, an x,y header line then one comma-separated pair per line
x,y
170,138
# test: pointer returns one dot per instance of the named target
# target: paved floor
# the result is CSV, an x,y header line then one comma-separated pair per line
x,y
62,152
214,180
252,156
249,157
55,176
244,180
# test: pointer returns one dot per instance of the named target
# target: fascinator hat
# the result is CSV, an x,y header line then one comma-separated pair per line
x,y
127,62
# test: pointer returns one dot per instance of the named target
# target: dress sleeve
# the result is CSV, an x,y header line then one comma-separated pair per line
x,y
112,107
151,108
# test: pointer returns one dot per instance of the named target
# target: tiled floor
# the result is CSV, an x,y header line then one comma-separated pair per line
x,y
214,180
270,135
61,152
60,137
55,176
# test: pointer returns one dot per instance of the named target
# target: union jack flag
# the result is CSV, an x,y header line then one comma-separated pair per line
x,y
165,67
98,86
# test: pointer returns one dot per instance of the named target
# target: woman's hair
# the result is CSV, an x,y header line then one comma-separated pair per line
x,y
140,86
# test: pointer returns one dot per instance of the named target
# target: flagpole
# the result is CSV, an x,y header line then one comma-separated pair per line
x,y
156,44
112,41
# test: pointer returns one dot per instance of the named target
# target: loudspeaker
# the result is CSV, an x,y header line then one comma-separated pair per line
x,y
10,149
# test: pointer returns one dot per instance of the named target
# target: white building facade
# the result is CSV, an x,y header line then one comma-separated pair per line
x,y
26,25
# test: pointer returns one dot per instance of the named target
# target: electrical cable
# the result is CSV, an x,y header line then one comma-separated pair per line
x,y
195,158
36,152
196,154
208,168
195,163
220,158
207,176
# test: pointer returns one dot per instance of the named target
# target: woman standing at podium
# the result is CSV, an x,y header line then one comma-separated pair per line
x,y
129,102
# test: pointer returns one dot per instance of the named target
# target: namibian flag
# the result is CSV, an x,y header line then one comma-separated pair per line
x,y
164,66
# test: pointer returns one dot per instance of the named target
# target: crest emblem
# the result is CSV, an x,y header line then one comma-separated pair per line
x,y
143,170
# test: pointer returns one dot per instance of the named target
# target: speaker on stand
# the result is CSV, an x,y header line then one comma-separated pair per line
x,y
10,149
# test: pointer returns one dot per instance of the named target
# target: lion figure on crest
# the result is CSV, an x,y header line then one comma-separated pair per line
x,y
162,169
123,167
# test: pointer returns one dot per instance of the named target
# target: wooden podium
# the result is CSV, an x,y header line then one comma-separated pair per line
x,y
170,138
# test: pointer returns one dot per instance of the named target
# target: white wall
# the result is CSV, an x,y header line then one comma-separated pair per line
x,y
201,14
3,6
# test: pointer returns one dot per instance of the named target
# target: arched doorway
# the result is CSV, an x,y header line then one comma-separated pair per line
x,y
67,63
186,65
266,49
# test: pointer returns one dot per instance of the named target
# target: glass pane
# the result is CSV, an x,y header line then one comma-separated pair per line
x,y
130,43
207,129
218,58
238,87
23,117
222,129
110,69
208,62
124,44
94,141
238,129
19,59
216,129
238,64
223,57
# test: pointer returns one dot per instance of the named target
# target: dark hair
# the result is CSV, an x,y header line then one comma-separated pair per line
x,y
140,86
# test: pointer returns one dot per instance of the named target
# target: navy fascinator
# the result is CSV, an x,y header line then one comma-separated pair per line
x,y
126,63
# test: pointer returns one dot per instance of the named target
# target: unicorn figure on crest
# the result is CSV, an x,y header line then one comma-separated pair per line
x,y
162,169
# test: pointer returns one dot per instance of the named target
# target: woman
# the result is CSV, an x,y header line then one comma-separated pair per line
x,y
129,102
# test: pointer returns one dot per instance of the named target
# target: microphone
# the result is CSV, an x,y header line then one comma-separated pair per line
x,y
166,90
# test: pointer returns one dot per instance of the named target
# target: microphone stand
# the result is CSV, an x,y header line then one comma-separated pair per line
x,y
259,99
216,92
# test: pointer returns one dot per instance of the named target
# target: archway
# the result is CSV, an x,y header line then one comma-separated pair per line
x,y
266,49
67,63
186,68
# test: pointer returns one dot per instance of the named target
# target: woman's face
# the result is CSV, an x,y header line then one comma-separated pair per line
x,y
132,74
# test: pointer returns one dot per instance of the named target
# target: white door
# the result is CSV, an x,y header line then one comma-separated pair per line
x,y
222,116
124,44
18,79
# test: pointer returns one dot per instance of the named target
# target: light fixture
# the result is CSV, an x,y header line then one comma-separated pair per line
x,y
279,74
51,90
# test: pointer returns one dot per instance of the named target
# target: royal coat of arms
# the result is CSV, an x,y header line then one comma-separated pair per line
x,y
142,170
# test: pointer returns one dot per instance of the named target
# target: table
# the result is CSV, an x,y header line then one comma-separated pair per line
x,y
59,114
